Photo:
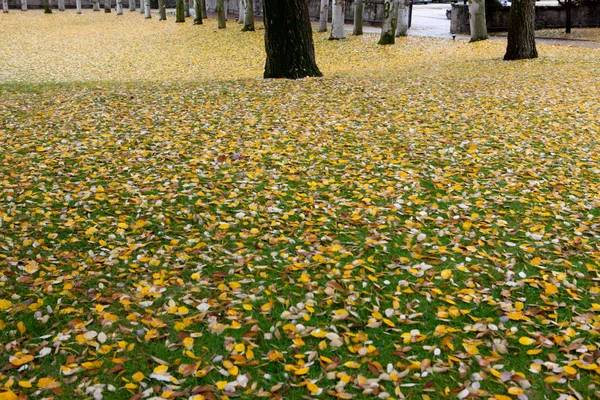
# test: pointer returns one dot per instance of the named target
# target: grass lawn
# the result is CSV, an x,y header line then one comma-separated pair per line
x,y
420,223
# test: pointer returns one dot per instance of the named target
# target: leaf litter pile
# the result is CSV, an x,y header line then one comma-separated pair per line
x,y
420,223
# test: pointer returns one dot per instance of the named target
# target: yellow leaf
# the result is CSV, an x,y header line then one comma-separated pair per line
x,y
551,289
312,387
352,364
161,370
47,383
526,341
21,327
4,304
25,384
302,371
7,394
570,370
21,359
138,376
446,274
515,390
536,261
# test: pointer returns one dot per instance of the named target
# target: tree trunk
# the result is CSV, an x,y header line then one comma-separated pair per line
x,y
142,6
358,18
119,7
131,5
61,5
221,14
107,6
5,6
23,5
388,25
179,11
568,22
323,15
402,23
203,4
186,8
147,9
78,6
337,20
197,12
249,16
288,40
241,11
162,10
521,31
47,9
477,20
96,5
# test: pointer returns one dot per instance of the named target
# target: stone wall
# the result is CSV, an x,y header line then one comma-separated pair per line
x,y
546,17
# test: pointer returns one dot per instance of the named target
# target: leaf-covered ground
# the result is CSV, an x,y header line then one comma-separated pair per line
x,y
591,34
420,223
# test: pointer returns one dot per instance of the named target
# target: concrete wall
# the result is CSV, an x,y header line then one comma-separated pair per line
x,y
546,17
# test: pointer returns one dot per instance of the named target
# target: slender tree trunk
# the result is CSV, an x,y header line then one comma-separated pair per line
x,y
221,14
337,20
203,4
197,12
226,9
131,5
358,18
61,5
241,11
186,8
78,6
569,4
477,20
179,11
521,31
402,23
388,25
288,40
107,6
249,17
142,6
5,6
147,9
23,5
96,5
323,15
119,7
47,9
162,10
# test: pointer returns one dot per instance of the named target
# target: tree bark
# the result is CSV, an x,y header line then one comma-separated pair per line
x,y
388,25
186,8
226,2
107,6
162,10
179,11
358,18
241,11
337,20
402,23
142,6
288,40
221,14
477,20
521,31
249,16
323,15
203,4
47,9
23,5
147,9
78,6
197,12
5,6
131,5
119,7
96,5
61,5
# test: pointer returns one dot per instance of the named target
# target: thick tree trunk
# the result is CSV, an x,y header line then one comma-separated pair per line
x,y
477,20
402,23
162,10
358,18
337,20
23,5
96,5
288,40
186,8
249,16
197,12
323,15
203,4
61,5
179,11
47,9
388,25
78,6
107,6
521,31
147,9
131,5
119,7
221,14
5,6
